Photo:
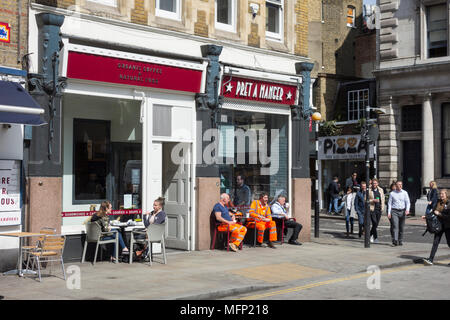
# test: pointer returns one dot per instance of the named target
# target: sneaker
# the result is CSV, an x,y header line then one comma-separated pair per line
x,y
233,247
375,241
371,239
427,262
394,243
400,243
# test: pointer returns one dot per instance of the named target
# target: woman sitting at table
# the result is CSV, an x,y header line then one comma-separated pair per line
x,y
102,219
157,216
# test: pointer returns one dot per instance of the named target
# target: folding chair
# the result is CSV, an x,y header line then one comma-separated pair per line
x,y
27,249
94,234
51,249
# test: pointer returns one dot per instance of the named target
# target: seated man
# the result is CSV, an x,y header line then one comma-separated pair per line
x,y
279,211
260,215
222,214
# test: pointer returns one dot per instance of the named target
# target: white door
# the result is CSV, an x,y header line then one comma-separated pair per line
x,y
176,189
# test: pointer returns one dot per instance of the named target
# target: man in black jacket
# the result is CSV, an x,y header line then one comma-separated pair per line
x,y
333,191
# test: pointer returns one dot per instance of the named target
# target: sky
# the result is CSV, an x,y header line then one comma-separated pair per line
x,y
370,1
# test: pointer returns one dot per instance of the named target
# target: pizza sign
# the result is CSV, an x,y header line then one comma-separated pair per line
x,y
5,32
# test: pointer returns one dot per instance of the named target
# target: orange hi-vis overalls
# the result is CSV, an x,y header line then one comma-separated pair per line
x,y
238,232
257,212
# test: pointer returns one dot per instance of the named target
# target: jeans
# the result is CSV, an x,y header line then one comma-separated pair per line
x,y
113,236
348,220
334,203
437,239
428,209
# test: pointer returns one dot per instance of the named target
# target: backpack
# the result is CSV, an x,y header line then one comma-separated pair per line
x,y
434,225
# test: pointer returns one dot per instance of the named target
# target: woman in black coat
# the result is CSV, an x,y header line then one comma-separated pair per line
x,y
442,211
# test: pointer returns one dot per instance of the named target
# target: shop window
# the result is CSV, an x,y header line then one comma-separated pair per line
x,y
112,3
170,9
357,102
243,138
446,139
351,16
274,19
437,32
91,148
412,118
162,121
226,15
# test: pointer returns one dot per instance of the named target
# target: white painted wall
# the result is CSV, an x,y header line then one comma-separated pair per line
x,y
11,142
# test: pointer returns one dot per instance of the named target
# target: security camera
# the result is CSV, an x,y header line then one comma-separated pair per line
x,y
255,8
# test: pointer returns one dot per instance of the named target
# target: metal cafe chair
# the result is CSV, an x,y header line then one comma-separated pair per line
x,y
51,249
94,234
27,249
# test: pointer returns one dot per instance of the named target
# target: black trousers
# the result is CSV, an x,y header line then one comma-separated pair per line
x,y
375,217
296,226
437,240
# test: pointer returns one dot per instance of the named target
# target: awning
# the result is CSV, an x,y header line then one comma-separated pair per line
x,y
17,106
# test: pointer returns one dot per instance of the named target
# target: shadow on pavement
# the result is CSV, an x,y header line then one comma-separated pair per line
x,y
414,259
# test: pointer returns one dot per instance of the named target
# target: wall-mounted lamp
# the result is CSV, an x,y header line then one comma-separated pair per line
x,y
254,7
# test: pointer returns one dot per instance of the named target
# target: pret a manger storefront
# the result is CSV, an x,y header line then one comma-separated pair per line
x,y
255,130
125,116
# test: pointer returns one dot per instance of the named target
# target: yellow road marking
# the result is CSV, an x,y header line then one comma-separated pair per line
x,y
327,282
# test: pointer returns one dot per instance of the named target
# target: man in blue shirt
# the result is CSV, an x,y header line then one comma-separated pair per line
x,y
399,205
221,213
360,206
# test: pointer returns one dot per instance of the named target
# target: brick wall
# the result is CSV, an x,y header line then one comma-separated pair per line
x,y
301,28
9,13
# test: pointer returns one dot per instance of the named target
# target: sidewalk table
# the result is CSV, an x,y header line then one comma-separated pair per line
x,y
21,235
125,227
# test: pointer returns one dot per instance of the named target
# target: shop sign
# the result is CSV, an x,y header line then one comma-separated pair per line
x,y
10,213
261,91
130,72
68,214
342,147
5,32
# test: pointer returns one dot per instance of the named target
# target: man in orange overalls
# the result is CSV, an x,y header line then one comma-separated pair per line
x,y
228,221
261,215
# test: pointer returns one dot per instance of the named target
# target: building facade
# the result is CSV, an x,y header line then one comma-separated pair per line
x,y
140,83
412,78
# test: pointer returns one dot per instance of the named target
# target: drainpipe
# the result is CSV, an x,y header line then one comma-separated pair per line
x,y
19,21
144,148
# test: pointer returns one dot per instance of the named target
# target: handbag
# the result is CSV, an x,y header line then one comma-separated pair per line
x,y
434,225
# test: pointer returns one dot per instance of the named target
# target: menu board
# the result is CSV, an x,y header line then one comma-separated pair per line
x,y
10,213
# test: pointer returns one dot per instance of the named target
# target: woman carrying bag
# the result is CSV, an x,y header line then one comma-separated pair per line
x,y
442,211
349,208
432,197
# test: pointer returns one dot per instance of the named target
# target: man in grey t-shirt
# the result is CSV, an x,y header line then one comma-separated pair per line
x,y
242,195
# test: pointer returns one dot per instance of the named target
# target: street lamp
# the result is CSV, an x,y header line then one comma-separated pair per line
x,y
369,136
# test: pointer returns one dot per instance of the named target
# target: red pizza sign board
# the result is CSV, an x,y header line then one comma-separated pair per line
x,y
130,72
261,91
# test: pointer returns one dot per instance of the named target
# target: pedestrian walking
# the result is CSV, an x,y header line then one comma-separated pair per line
x,y
442,211
360,203
333,191
376,201
432,197
350,212
351,181
386,196
399,205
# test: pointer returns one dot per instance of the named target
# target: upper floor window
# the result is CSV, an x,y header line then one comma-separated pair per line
x,y
226,15
350,16
357,101
412,118
170,9
112,3
274,19
437,30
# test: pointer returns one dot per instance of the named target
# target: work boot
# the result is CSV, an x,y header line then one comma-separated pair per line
x,y
233,247
271,245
